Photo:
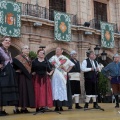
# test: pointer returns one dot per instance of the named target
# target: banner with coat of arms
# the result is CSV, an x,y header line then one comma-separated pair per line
x,y
107,35
10,18
62,29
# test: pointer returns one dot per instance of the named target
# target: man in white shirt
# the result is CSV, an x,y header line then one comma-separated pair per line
x,y
90,68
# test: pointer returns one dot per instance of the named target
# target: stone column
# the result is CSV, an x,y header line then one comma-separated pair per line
x,y
82,48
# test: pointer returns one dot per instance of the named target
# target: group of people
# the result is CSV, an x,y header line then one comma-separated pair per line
x,y
35,84
46,83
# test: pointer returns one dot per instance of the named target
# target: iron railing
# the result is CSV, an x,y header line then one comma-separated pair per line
x,y
42,12
96,25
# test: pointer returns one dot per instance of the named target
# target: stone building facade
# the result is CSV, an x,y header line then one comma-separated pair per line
x,y
38,11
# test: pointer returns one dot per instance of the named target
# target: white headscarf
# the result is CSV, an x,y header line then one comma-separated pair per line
x,y
73,52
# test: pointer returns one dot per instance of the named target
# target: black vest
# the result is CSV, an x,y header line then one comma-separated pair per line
x,y
76,67
90,75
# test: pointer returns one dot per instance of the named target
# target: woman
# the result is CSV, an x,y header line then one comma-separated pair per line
x,y
8,85
60,83
22,65
42,84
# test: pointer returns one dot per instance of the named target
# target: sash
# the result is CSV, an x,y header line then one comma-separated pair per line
x,y
74,76
56,62
25,62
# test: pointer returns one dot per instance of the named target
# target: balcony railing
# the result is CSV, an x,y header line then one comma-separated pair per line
x,y
42,12
96,25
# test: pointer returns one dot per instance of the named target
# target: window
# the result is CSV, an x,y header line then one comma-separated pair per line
x,y
58,5
100,13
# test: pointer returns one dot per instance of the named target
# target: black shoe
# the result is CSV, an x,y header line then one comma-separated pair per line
x,y
24,111
117,106
86,106
70,107
3,113
16,111
61,109
37,109
56,109
95,106
78,107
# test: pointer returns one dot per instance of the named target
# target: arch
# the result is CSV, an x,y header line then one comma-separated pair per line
x,y
65,46
50,49
50,54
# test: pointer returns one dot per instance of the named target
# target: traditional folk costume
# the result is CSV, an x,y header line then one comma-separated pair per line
x,y
42,83
91,81
24,79
60,82
75,82
113,70
8,84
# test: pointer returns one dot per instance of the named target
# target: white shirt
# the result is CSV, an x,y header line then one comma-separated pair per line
x,y
84,66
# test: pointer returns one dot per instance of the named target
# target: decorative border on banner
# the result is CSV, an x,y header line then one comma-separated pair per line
x,y
104,43
16,8
58,35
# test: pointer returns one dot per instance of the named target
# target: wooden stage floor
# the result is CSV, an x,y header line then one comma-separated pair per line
x,y
110,113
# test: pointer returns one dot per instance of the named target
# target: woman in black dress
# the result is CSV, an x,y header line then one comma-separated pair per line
x,y
42,83
8,84
22,65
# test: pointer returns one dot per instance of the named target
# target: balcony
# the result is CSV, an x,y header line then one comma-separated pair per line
x,y
96,25
42,12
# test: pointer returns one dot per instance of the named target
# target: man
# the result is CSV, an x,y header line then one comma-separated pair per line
x,y
90,68
74,75
60,86
112,71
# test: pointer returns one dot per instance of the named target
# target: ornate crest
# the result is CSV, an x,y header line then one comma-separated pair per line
x,y
10,18
62,27
107,35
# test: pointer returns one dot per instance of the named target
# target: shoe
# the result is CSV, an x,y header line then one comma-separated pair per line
x,y
37,109
95,106
78,107
24,111
86,106
16,111
42,108
117,105
61,109
3,113
70,107
56,109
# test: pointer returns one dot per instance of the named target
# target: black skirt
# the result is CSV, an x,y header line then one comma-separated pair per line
x,y
8,86
26,91
75,87
91,87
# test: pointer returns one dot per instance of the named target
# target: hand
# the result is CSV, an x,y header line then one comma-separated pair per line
x,y
18,71
50,73
92,69
109,77
97,69
69,76
33,73
1,65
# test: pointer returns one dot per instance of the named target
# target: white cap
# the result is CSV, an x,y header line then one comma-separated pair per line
x,y
73,52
